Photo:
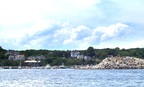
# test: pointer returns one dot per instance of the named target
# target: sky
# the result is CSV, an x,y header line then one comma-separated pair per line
x,y
71,24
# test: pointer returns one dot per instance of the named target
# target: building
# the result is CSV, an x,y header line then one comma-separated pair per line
x,y
78,55
20,57
14,55
32,63
75,54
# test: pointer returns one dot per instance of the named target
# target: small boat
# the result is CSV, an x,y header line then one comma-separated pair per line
x,y
10,67
19,67
47,67
62,66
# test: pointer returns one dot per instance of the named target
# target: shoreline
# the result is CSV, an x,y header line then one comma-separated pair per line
x,y
107,63
87,67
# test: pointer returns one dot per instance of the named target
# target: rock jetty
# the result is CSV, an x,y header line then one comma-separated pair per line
x,y
121,63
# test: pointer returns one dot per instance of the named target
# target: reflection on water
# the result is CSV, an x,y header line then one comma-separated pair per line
x,y
71,78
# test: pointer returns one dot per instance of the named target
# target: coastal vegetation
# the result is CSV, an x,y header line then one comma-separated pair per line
x,y
57,57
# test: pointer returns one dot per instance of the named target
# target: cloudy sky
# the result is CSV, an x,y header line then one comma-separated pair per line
x,y
71,24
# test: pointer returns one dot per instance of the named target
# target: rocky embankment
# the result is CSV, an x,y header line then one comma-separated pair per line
x,y
118,63
121,63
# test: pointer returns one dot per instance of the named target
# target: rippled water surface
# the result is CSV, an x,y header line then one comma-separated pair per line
x,y
71,78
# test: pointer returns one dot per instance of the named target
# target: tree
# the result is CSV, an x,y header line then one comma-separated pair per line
x,y
90,52
59,61
2,53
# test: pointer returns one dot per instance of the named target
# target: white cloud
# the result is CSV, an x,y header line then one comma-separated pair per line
x,y
66,37
78,12
59,34
77,34
63,36
69,23
83,36
28,11
101,35
112,31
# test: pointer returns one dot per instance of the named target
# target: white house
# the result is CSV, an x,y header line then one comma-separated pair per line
x,y
74,54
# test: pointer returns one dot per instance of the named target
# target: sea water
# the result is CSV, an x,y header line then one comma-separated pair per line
x,y
71,78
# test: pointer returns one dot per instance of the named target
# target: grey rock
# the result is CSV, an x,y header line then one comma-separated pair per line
x,y
121,63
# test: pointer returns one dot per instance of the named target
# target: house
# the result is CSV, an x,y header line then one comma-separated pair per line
x,y
13,55
16,57
83,57
78,55
74,54
34,61
20,57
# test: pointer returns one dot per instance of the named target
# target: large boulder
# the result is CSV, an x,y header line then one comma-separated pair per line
x,y
121,63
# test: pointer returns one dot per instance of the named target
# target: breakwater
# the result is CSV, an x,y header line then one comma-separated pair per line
x,y
118,63
121,63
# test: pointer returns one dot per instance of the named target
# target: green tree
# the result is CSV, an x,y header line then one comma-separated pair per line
x,y
90,52
59,61
2,53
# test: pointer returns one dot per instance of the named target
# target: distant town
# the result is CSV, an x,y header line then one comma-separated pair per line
x,y
40,58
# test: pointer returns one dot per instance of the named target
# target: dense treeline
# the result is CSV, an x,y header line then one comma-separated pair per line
x,y
133,52
57,57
